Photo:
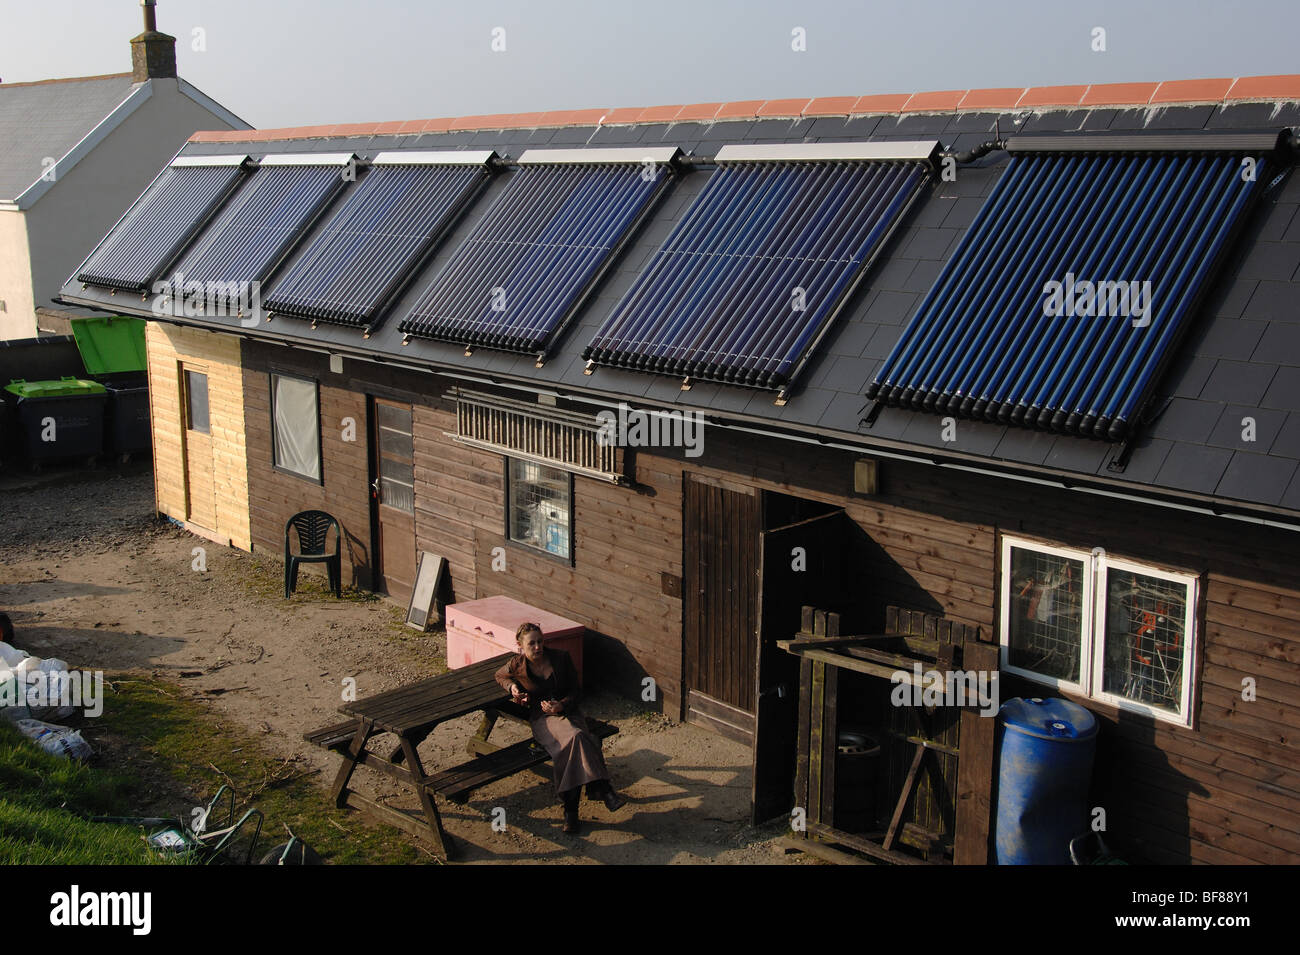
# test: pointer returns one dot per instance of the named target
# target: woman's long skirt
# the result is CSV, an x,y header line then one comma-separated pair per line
x,y
575,753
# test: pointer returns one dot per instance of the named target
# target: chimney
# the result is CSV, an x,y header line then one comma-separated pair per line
x,y
153,54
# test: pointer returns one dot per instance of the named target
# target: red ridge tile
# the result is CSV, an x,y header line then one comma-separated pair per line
x,y
1052,96
1005,97
527,120
830,106
474,122
1282,86
624,114
573,117
355,129
884,103
698,111
937,102
1192,91
742,109
1119,94
660,114
783,108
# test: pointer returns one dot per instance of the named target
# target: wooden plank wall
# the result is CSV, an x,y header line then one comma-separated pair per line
x,y
275,496
624,541
1226,791
219,356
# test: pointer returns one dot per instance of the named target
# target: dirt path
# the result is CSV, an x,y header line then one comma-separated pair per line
x,y
88,574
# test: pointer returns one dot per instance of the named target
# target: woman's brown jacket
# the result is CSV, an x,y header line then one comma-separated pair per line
x,y
567,689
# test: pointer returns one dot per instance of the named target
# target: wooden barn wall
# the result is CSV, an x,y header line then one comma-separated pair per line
x,y
275,496
624,540
1225,791
219,357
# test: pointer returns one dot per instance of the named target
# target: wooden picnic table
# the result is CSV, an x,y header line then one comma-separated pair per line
x,y
411,713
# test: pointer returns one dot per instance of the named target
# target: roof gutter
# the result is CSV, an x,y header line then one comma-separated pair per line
x,y
822,437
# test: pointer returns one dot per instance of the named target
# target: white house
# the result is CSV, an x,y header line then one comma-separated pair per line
x,y
77,152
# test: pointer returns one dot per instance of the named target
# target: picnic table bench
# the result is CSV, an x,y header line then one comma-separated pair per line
x,y
411,713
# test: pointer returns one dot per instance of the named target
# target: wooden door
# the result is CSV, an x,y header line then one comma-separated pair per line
x,y
200,485
802,563
393,497
720,605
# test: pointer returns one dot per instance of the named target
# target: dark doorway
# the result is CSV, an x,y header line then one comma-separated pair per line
x,y
802,562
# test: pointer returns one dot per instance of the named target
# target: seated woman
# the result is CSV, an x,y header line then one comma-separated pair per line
x,y
546,681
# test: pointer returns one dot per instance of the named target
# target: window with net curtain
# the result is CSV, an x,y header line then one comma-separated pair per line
x,y
296,420
539,499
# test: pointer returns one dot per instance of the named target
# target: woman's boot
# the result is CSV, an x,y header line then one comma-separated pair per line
x,y
604,791
569,798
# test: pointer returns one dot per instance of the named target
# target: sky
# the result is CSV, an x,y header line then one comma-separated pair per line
x,y
310,62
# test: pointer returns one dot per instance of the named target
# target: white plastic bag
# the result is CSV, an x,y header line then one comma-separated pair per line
x,y
57,687
58,740
10,656
13,696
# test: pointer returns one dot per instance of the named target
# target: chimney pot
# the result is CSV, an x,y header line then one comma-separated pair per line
x,y
153,54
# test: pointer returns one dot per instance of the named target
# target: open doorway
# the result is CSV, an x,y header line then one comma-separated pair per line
x,y
804,553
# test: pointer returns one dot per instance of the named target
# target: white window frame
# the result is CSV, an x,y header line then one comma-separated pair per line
x,y
513,483
1104,564
1087,606
1097,565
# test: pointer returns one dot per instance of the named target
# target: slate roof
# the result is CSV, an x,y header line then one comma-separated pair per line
x,y
47,118
1240,360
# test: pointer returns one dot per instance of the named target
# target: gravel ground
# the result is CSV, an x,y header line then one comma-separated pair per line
x,y
89,574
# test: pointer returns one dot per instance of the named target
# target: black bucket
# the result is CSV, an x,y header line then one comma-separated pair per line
x,y
857,762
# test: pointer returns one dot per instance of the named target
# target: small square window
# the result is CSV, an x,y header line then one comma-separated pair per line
x,y
539,507
295,422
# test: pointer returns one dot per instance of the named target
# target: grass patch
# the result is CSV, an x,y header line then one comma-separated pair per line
x,y
44,804
193,746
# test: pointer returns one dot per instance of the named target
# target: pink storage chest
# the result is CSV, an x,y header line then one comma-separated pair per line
x,y
480,629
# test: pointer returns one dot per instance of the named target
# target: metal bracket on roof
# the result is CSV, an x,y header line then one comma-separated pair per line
x,y
873,412
469,352
781,398
1119,459
406,340
686,384
588,368
540,360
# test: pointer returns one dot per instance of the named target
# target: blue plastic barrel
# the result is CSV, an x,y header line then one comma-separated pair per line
x,y
1046,748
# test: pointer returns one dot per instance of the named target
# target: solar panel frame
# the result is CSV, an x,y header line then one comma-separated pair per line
x,y
715,305
155,231
378,239
979,345
541,248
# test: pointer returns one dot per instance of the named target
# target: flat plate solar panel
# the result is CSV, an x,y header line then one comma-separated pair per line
x,y
753,275
162,222
369,249
1067,295
540,248
264,219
